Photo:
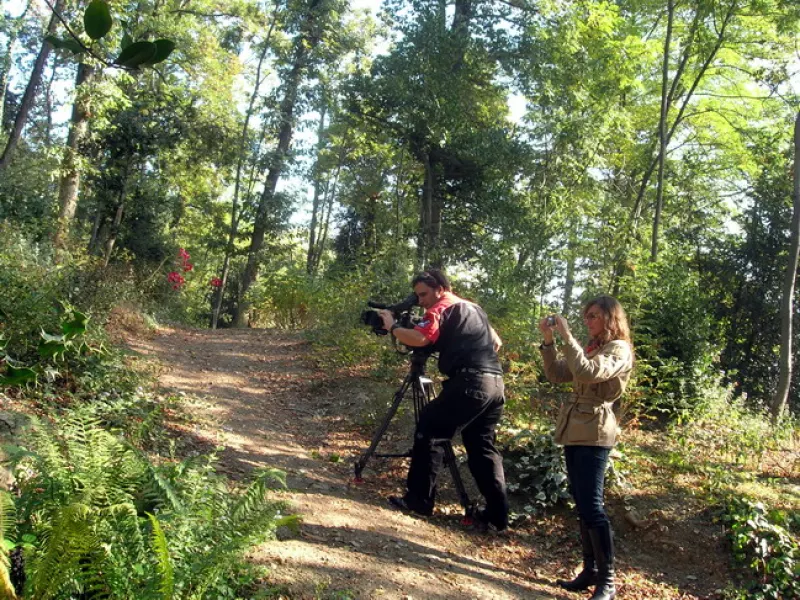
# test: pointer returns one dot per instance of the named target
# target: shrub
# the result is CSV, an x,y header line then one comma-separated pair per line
x,y
673,327
723,428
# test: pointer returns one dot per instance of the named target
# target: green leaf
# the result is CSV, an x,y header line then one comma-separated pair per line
x,y
75,326
48,349
70,44
14,376
135,55
163,49
52,345
97,19
127,40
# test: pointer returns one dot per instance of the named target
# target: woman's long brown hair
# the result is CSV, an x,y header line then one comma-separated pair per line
x,y
616,320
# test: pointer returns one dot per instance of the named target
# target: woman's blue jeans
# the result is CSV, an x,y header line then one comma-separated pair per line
x,y
586,470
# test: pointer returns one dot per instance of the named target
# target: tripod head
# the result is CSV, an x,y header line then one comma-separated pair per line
x,y
419,356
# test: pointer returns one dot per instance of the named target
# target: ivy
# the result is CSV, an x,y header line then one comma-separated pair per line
x,y
768,550
534,467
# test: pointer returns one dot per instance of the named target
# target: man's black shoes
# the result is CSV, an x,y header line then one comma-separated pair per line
x,y
401,503
484,525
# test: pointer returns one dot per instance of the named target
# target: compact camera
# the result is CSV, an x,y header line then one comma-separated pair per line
x,y
551,321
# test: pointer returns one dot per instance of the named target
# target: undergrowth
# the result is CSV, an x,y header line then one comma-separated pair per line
x,y
95,516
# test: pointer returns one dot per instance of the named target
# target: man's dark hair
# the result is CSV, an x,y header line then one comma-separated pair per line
x,y
433,278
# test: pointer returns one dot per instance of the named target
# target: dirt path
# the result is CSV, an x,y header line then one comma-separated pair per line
x,y
270,409
262,400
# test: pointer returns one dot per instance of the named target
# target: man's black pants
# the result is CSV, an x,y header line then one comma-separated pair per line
x,y
473,404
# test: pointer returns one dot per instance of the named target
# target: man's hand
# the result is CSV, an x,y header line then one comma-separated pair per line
x,y
388,319
497,343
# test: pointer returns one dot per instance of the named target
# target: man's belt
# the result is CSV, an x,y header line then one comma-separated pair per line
x,y
472,371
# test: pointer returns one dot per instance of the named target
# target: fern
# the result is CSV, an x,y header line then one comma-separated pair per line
x,y
69,541
89,501
7,522
159,490
159,541
251,518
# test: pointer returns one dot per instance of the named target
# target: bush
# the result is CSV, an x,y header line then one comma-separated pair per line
x,y
35,291
673,325
723,428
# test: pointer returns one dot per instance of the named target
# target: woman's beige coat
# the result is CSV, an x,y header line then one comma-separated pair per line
x,y
599,379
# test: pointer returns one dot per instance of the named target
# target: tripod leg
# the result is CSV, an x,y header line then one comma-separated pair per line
x,y
450,459
422,395
398,398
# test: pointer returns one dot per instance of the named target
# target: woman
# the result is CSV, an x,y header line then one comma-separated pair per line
x,y
587,427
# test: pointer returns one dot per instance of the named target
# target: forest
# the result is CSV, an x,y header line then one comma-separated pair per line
x,y
266,167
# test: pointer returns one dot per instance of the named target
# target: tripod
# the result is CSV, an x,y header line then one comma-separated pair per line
x,y
421,389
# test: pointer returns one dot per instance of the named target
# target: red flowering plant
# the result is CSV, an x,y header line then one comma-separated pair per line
x,y
174,277
215,282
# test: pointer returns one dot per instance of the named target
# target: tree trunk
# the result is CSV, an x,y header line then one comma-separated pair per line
x,y
398,202
569,280
315,205
662,131
112,236
115,225
5,69
30,91
426,213
327,206
99,217
787,301
70,166
462,16
48,135
276,169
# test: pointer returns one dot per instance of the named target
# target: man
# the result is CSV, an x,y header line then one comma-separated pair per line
x,y
471,400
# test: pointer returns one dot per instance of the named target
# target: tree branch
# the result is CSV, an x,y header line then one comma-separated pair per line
x,y
77,39
197,13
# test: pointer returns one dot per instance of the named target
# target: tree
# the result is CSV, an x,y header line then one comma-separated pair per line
x,y
30,90
12,32
240,164
315,20
70,169
787,300
97,23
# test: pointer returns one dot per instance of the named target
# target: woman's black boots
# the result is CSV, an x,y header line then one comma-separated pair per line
x,y
588,576
603,547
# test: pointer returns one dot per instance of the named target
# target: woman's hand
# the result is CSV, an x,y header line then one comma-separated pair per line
x,y
547,331
562,327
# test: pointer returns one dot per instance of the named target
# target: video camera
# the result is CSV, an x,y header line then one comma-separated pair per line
x,y
400,311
